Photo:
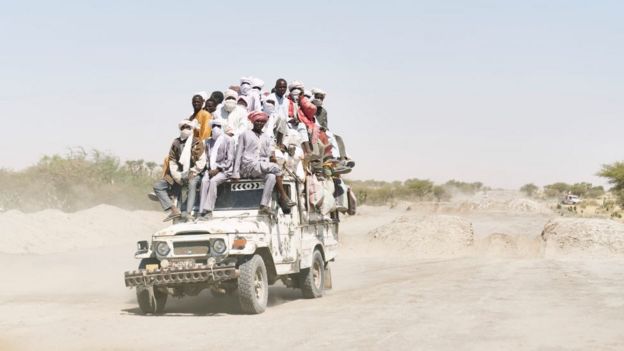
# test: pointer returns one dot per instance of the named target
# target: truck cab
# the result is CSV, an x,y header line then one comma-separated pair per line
x,y
239,251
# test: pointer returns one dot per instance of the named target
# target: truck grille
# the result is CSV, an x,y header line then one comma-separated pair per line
x,y
191,248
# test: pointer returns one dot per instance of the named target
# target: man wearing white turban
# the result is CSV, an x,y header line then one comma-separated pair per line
x,y
186,161
234,114
220,156
250,88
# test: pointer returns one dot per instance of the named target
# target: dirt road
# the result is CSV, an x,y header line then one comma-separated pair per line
x,y
76,300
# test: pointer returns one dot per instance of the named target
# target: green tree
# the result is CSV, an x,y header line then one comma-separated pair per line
x,y
615,175
529,189
595,192
556,189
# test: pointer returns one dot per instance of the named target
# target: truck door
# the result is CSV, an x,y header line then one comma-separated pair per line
x,y
288,233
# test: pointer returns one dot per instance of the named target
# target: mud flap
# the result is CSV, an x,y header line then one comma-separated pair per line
x,y
328,278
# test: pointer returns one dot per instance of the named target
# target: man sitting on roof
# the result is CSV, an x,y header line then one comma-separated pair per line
x,y
186,160
220,157
234,114
200,116
254,159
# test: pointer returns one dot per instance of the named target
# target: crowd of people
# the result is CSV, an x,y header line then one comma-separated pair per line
x,y
249,132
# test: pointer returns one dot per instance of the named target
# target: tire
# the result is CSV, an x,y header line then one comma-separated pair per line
x,y
313,278
253,287
156,305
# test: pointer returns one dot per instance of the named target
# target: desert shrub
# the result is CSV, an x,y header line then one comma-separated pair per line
x,y
463,187
375,192
529,189
78,180
419,188
440,193
556,189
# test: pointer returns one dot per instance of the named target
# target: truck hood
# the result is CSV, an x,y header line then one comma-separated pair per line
x,y
236,225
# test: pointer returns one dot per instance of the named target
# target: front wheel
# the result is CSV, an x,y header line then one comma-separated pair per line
x,y
151,304
253,286
313,278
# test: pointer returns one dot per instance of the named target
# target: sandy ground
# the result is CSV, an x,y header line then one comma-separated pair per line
x,y
501,293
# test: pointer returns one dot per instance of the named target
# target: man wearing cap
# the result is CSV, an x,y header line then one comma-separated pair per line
x,y
220,159
254,158
186,161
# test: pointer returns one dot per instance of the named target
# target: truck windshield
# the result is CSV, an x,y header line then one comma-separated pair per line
x,y
239,195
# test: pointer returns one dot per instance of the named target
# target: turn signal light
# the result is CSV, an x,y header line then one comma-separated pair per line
x,y
239,243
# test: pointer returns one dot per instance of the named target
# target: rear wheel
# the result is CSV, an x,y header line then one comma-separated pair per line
x,y
313,278
253,286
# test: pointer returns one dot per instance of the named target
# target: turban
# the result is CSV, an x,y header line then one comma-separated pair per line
x,y
295,85
318,91
258,116
270,97
186,122
257,82
203,94
308,93
230,93
244,98
244,80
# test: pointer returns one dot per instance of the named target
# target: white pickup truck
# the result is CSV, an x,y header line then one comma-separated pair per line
x,y
238,251
570,199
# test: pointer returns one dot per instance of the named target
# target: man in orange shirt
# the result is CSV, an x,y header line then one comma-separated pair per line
x,y
202,117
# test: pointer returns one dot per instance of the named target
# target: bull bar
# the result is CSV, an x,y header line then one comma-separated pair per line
x,y
175,276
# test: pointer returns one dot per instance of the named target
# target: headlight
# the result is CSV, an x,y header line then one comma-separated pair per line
x,y
219,246
162,248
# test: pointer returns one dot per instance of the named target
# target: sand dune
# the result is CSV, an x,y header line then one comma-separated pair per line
x,y
51,231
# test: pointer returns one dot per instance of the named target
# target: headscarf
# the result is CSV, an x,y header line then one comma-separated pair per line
x,y
257,83
185,156
318,91
245,85
230,93
258,116
295,84
244,98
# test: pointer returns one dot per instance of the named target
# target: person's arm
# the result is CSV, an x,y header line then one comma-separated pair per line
x,y
173,164
175,173
200,164
308,108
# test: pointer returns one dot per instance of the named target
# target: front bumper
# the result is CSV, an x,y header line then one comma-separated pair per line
x,y
177,276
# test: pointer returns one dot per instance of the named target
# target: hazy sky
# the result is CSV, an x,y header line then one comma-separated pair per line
x,y
503,92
